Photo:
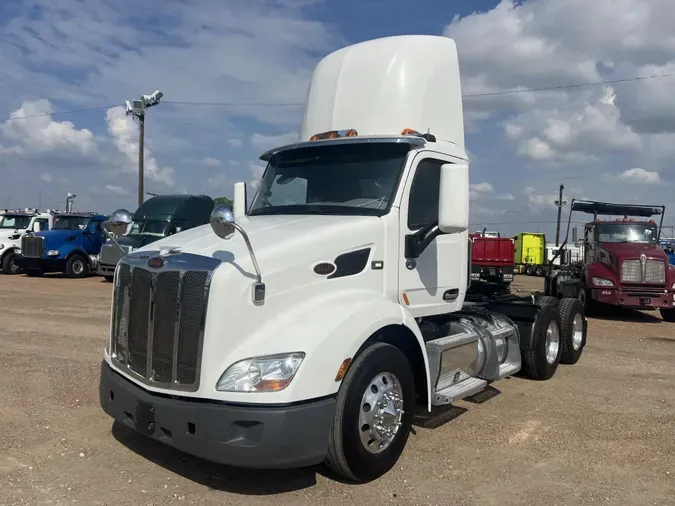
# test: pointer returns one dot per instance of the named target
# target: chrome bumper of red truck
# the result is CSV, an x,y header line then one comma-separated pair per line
x,y
635,298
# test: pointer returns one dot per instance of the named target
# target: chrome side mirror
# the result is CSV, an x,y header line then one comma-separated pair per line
x,y
224,226
119,222
222,222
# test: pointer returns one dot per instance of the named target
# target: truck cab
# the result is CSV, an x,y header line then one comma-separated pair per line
x,y
622,262
13,226
312,325
158,217
71,246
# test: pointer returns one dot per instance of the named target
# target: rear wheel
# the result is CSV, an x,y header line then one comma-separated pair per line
x,y
574,329
77,267
373,414
541,360
545,300
9,265
539,271
529,270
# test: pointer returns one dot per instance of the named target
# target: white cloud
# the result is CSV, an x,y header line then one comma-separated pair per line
x,y
235,143
47,178
125,134
265,142
211,162
256,170
479,190
118,190
32,130
640,176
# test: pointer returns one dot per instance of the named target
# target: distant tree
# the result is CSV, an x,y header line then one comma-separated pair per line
x,y
223,201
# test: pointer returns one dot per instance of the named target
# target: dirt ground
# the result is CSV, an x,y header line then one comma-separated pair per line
x,y
601,431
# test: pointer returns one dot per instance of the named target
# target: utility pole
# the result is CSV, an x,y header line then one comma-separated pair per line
x,y
137,109
69,202
560,203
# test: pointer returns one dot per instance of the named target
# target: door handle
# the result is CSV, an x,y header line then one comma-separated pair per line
x,y
451,295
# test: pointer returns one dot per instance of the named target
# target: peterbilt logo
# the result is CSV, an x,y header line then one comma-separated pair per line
x,y
156,263
643,266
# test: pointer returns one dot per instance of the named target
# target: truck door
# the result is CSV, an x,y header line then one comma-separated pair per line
x,y
436,280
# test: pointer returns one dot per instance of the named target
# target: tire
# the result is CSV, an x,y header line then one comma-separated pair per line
x,y
545,300
574,330
529,270
539,271
8,265
109,279
537,363
77,266
668,315
34,273
590,306
348,455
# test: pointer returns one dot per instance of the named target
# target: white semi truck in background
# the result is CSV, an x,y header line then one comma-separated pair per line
x,y
14,225
315,323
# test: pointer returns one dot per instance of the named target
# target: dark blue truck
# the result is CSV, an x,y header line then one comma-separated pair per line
x,y
71,246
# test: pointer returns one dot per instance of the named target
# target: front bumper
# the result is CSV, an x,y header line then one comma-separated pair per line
x,y
634,298
260,436
41,264
106,270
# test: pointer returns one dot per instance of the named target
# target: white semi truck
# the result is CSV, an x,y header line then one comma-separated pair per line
x,y
14,225
315,323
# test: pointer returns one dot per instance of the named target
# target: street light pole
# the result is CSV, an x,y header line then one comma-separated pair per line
x,y
141,158
560,203
137,109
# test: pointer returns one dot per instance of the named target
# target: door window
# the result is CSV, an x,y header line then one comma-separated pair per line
x,y
424,194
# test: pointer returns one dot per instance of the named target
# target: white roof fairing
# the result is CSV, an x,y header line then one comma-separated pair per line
x,y
381,86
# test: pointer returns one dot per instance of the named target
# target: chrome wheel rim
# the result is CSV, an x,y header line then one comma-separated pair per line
x,y
577,331
13,267
78,267
552,342
381,412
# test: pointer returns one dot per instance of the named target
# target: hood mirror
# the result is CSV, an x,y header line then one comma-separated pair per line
x,y
119,223
222,222
224,226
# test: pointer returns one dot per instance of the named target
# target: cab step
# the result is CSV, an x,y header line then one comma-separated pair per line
x,y
461,390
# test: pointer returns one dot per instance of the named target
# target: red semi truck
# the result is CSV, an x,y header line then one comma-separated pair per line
x,y
622,264
492,257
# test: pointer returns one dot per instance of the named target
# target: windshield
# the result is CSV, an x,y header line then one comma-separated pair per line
x,y
627,232
70,222
154,228
355,179
14,221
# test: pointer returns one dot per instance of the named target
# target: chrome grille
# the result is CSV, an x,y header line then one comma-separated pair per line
x,y
643,271
110,254
158,319
32,246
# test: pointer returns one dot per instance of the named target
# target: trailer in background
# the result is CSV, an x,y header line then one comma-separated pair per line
x,y
492,257
530,253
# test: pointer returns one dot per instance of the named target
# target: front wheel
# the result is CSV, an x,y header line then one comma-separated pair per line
x,y
77,267
373,414
668,315
9,265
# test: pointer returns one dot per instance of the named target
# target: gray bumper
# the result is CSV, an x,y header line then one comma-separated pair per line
x,y
105,270
259,436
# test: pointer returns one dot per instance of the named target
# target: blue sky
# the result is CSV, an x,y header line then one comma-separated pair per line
x,y
613,142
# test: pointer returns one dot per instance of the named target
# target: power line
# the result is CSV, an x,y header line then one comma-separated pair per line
x,y
567,86
299,104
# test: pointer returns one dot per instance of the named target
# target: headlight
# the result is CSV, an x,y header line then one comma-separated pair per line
x,y
602,282
260,374
53,253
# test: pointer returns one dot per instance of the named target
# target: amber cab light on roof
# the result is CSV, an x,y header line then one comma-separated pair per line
x,y
334,134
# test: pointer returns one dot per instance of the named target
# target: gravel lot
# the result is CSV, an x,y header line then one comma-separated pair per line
x,y
600,431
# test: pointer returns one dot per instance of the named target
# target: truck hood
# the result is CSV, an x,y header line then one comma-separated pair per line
x,y
135,241
623,250
276,240
54,239
8,232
